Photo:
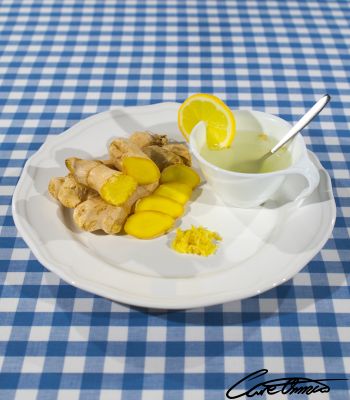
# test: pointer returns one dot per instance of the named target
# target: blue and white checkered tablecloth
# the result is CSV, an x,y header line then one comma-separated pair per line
x,y
61,61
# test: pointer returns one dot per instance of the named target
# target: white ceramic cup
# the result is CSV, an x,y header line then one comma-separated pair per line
x,y
251,190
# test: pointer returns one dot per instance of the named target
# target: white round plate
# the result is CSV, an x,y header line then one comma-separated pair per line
x,y
261,247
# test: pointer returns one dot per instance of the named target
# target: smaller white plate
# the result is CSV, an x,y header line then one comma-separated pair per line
x,y
261,247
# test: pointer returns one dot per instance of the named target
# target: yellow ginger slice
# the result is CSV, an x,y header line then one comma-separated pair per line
x,y
180,173
144,170
175,191
148,224
118,189
160,204
197,240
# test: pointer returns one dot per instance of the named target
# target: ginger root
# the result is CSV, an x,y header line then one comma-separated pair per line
x,y
113,186
143,139
103,193
148,224
158,148
180,150
68,191
108,163
180,173
162,157
91,212
140,192
129,158
170,154
161,204
94,214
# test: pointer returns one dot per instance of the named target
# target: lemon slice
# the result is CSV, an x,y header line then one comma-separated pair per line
x,y
219,119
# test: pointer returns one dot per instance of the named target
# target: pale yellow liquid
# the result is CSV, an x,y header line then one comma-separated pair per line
x,y
245,147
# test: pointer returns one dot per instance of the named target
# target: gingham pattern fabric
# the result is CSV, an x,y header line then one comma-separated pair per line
x,y
64,60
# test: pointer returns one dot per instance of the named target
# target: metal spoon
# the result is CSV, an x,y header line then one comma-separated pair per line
x,y
252,166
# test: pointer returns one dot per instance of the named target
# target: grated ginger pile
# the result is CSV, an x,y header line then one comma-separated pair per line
x,y
197,240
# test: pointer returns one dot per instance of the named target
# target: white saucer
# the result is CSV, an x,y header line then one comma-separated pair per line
x,y
261,247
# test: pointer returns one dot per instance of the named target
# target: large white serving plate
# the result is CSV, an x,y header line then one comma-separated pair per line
x,y
261,247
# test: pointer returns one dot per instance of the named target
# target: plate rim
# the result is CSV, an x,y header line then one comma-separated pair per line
x,y
126,297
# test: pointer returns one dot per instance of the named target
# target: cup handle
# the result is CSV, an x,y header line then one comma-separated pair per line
x,y
308,170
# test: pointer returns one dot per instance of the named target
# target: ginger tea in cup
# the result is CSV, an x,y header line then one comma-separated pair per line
x,y
257,133
249,145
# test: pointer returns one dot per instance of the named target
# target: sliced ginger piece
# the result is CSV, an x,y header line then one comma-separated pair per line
x,y
180,173
148,224
161,204
176,191
118,189
143,170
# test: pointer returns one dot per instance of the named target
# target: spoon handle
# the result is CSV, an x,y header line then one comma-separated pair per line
x,y
303,121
